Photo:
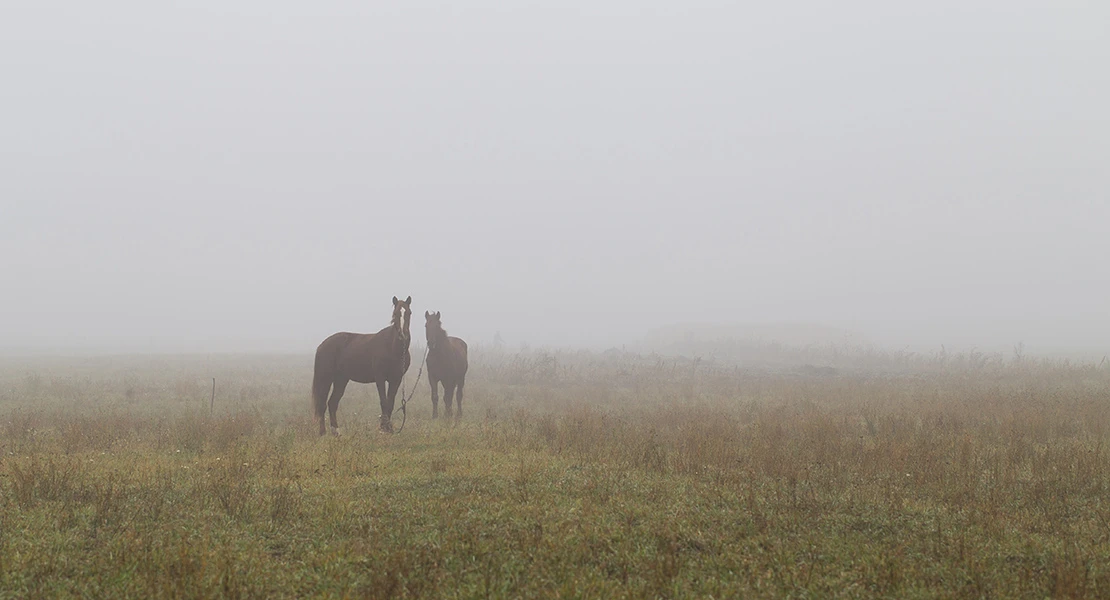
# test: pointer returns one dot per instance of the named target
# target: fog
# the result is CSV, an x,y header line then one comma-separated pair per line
x,y
253,176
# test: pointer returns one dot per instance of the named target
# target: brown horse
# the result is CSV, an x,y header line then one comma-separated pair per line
x,y
446,363
380,358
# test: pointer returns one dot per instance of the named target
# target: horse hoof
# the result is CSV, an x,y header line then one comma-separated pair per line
x,y
335,431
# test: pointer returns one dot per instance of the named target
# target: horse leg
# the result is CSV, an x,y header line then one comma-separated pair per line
x,y
340,386
458,398
391,397
384,420
435,396
448,393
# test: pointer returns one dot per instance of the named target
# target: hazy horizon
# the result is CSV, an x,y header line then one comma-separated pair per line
x,y
254,176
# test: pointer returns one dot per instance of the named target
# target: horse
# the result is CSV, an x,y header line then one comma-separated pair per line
x,y
446,363
380,358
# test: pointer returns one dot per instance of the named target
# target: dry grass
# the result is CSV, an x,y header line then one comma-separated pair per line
x,y
572,475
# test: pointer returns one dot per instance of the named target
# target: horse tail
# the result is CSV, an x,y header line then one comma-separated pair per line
x,y
320,387
322,375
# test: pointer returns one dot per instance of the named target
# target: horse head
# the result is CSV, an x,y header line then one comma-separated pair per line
x,y
433,328
402,312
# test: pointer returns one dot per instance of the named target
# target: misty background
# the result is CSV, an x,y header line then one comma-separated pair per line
x,y
253,176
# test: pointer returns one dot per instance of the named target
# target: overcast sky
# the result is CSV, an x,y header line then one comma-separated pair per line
x,y
251,175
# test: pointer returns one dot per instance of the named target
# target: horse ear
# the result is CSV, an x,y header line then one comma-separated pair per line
x,y
427,314
395,300
437,314
408,301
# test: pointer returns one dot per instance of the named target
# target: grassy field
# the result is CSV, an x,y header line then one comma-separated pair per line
x,y
571,475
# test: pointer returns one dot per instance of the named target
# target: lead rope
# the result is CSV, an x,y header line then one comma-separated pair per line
x,y
405,400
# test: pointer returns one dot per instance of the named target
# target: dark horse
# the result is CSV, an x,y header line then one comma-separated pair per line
x,y
446,363
380,358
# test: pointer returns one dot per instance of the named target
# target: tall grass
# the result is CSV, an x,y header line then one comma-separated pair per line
x,y
574,474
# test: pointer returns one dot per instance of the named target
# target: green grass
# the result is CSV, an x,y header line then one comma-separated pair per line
x,y
571,476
